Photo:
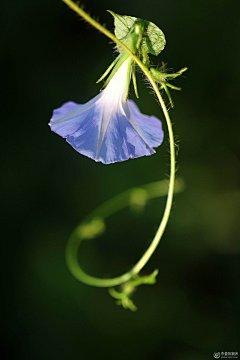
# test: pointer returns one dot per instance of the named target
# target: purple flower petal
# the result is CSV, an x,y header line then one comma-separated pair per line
x,y
108,128
129,134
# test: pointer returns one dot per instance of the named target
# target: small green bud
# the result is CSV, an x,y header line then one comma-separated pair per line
x,y
162,77
158,75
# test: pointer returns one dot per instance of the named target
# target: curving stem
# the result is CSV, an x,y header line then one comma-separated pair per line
x,y
77,237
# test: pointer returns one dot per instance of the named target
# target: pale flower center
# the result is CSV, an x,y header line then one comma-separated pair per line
x,y
116,89
113,96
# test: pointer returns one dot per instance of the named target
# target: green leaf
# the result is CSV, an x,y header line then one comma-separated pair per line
x,y
123,24
153,40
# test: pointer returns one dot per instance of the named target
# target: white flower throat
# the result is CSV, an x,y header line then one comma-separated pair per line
x,y
113,96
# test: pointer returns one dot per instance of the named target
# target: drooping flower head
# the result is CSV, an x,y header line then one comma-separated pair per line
x,y
110,128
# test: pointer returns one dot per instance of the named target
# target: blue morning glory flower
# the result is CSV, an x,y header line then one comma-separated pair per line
x,y
109,128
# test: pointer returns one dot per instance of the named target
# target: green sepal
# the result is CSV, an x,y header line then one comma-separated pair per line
x,y
144,57
173,87
173,76
128,78
108,69
134,79
164,86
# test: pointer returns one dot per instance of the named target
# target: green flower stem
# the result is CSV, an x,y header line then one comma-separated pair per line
x,y
74,241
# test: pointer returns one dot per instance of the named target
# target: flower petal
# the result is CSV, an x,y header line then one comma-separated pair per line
x,y
107,134
80,127
150,126
60,127
122,141
108,128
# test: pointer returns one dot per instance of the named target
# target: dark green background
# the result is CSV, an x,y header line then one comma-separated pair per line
x,y
49,56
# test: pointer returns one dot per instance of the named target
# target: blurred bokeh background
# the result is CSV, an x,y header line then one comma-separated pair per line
x,y
50,56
